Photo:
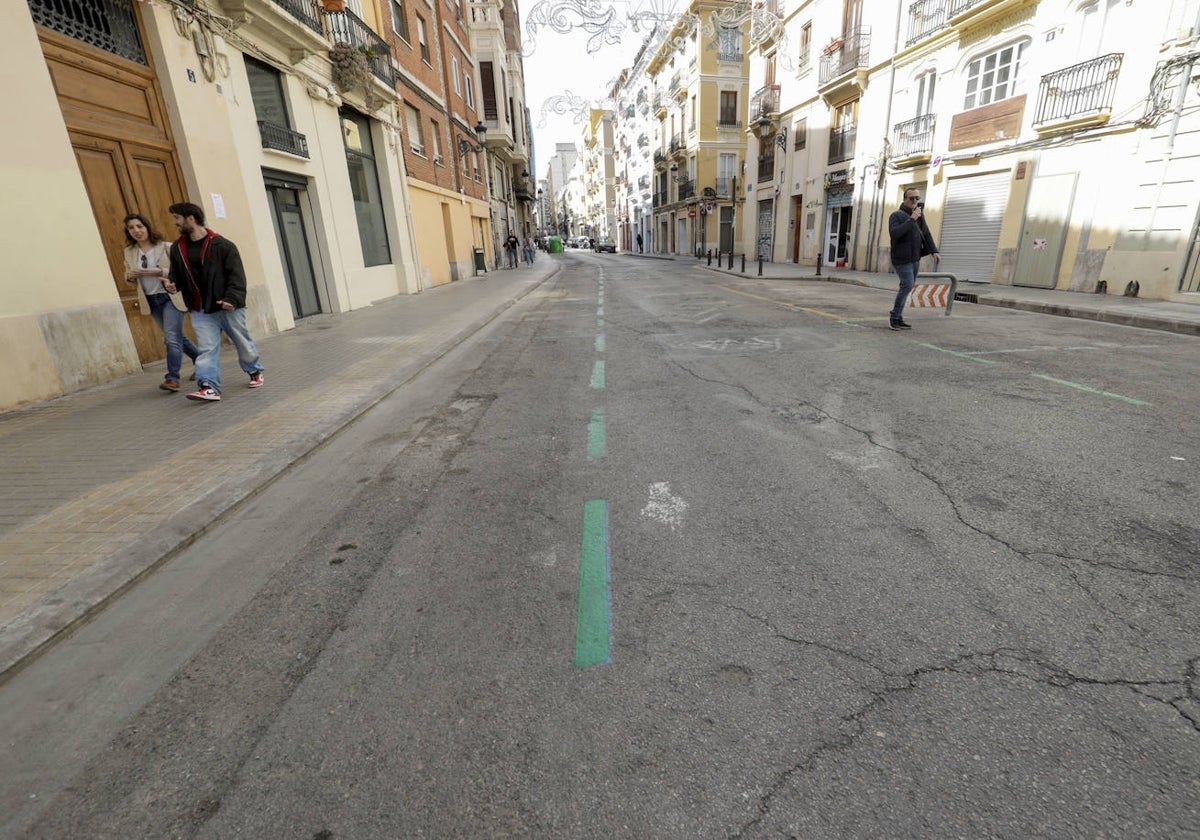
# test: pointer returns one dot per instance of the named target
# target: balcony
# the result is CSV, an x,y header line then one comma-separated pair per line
x,y
912,140
723,184
282,139
924,18
279,18
660,199
687,189
676,144
764,102
728,121
1078,96
841,143
660,157
972,13
348,28
844,54
729,56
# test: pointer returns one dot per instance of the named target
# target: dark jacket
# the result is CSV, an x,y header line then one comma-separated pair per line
x,y
221,274
911,238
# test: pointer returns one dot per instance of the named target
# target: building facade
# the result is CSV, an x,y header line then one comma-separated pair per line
x,y
131,107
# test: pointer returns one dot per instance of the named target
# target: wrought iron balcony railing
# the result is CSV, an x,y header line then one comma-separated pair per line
x,y
660,199
913,137
282,139
848,52
660,156
348,28
841,143
723,184
957,7
687,189
676,143
764,102
924,18
728,121
307,12
734,56
1079,91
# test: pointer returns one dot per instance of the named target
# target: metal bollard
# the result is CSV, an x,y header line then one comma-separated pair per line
x,y
818,263
760,265
731,260
743,263
709,254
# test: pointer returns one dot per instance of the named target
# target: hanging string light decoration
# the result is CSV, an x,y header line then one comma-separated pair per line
x,y
563,16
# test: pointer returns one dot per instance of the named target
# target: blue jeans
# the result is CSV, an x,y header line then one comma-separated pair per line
x,y
170,321
208,327
907,272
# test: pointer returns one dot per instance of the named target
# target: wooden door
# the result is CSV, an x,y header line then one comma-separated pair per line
x,y
118,127
113,185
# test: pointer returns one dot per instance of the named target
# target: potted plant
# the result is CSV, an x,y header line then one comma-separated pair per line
x,y
333,5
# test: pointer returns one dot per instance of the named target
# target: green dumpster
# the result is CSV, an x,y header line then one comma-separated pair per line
x,y
555,245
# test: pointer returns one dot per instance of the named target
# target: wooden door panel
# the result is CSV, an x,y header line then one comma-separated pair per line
x,y
155,185
110,192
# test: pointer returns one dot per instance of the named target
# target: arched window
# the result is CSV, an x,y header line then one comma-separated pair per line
x,y
994,75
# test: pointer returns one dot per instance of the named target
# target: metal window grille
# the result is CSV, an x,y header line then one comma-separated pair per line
x,y
109,25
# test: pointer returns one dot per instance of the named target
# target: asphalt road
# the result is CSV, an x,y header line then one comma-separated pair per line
x,y
664,553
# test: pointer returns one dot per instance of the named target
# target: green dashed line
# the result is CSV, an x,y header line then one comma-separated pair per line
x,y
597,439
959,355
600,343
593,617
598,375
1085,388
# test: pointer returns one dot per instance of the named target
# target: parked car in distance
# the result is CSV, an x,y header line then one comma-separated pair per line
x,y
605,245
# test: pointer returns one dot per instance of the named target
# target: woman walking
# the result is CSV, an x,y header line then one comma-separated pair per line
x,y
146,264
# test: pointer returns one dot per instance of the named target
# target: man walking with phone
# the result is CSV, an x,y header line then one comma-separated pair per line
x,y
911,240
207,269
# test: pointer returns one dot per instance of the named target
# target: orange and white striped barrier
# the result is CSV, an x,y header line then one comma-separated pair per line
x,y
929,294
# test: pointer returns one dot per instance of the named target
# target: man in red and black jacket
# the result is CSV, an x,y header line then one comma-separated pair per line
x,y
207,270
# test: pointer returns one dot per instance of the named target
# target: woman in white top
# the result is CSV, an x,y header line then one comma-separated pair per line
x,y
146,263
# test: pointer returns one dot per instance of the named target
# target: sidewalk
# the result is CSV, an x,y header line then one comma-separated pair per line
x,y
1114,309
102,486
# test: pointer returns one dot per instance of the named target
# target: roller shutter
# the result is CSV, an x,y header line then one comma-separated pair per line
x,y
971,223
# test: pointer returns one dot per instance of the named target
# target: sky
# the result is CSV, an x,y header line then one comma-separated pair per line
x,y
557,63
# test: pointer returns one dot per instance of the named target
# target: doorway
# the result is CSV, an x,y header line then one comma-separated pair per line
x,y
115,118
794,226
837,235
285,195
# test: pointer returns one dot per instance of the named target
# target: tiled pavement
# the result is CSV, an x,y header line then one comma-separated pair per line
x,y
102,485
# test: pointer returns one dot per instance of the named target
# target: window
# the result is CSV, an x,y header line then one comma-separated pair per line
x,y
436,136
926,83
728,110
729,44
416,138
468,90
993,77
364,187
804,62
400,19
266,90
487,78
422,39
454,74
800,132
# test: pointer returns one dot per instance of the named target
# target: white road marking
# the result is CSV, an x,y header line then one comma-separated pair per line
x,y
664,507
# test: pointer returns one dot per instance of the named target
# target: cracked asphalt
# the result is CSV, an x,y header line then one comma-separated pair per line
x,y
863,584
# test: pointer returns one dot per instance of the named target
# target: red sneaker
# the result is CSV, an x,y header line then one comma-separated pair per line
x,y
205,395
256,380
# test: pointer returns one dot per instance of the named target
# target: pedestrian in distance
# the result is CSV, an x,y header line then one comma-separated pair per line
x,y
510,249
911,240
147,261
207,269
528,247
639,241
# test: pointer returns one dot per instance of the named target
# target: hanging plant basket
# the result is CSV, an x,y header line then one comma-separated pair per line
x,y
350,68
333,5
